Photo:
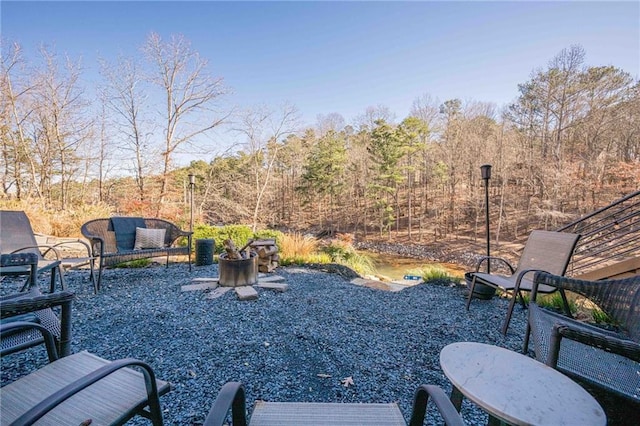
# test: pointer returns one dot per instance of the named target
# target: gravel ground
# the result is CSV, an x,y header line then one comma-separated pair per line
x,y
291,346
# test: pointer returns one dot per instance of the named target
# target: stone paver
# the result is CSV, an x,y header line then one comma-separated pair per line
x,y
280,287
201,286
246,293
217,292
270,279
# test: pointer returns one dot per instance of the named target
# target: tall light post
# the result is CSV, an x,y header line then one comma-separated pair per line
x,y
485,170
192,185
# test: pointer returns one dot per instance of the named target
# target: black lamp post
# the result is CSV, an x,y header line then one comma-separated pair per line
x,y
486,175
192,185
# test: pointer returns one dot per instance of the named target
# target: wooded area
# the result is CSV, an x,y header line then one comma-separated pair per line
x,y
569,144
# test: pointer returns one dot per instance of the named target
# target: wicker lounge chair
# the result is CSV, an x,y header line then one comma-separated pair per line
x,y
232,397
544,251
606,359
111,247
17,236
31,306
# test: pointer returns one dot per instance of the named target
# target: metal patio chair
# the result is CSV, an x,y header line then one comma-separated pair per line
x,y
34,307
544,251
17,236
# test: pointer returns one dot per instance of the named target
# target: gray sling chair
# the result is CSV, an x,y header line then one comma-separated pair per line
x,y
605,358
32,306
232,397
547,251
17,236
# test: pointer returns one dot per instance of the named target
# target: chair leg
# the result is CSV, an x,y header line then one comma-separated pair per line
x,y
473,286
567,309
527,335
507,320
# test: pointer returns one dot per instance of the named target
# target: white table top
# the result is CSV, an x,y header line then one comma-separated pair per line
x,y
518,389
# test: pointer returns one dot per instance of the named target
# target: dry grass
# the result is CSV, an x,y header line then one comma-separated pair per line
x,y
58,223
297,246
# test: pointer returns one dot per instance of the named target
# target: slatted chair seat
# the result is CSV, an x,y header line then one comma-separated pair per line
x,y
113,400
232,398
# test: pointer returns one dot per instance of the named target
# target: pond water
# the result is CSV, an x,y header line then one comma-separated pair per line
x,y
395,267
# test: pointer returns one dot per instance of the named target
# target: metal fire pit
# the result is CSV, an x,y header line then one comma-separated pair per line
x,y
237,273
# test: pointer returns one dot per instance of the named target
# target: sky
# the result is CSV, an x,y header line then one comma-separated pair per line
x,y
342,57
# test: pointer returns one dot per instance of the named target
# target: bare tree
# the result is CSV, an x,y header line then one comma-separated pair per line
x,y
190,94
63,125
16,108
263,129
124,95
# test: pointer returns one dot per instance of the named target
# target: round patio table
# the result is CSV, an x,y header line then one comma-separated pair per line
x,y
516,389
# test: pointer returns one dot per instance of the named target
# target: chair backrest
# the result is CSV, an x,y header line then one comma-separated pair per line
x,y
548,251
618,298
16,232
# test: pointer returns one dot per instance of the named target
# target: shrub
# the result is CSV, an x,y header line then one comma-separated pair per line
x,y
239,234
341,251
434,272
138,263
554,301
600,317
296,246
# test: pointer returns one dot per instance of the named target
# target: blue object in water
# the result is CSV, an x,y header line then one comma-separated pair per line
x,y
412,277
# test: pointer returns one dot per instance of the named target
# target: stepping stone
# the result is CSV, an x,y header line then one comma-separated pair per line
x,y
270,279
280,287
217,292
246,293
202,286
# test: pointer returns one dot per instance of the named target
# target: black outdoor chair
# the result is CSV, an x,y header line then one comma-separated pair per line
x,y
607,359
17,236
232,397
32,306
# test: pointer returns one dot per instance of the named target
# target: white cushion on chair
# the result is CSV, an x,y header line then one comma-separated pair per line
x,y
147,238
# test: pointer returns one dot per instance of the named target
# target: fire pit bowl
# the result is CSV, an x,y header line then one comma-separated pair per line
x,y
237,273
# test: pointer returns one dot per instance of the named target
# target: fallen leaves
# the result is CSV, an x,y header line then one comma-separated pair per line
x,y
347,381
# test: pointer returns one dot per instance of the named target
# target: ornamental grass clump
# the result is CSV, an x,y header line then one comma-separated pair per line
x,y
341,251
434,273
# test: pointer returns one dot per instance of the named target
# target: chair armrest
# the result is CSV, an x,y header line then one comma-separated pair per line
x,y
231,396
443,404
608,343
52,351
55,399
42,248
490,258
68,243
21,303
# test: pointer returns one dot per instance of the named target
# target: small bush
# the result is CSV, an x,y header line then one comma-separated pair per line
x,y
239,234
434,273
322,258
297,246
341,251
554,301
600,317
138,263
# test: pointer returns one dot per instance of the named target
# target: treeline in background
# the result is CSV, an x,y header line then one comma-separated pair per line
x,y
568,144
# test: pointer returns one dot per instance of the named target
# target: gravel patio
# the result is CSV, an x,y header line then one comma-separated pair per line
x,y
298,345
